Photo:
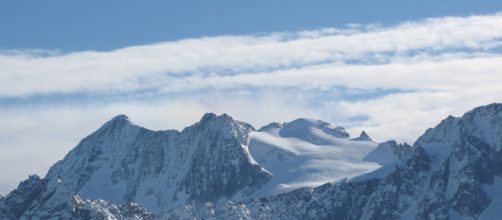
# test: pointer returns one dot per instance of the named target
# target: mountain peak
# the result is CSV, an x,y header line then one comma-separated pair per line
x,y
304,124
481,123
363,137
120,117
490,108
388,152
271,126
316,132
219,121
118,120
225,125
207,117
114,125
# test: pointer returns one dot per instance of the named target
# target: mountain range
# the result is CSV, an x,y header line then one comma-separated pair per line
x,y
221,168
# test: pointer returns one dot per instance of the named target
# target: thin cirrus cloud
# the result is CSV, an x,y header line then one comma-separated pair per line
x,y
392,81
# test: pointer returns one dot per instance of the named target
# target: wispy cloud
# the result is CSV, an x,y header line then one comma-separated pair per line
x,y
393,81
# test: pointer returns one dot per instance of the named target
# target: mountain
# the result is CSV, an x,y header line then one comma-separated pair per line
x,y
362,137
220,168
123,163
453,171
124,171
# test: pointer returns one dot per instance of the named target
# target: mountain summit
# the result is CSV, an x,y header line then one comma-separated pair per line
x,y
363,137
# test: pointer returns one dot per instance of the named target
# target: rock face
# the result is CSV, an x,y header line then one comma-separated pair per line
x,y
18,201
123,163
101,209
453,171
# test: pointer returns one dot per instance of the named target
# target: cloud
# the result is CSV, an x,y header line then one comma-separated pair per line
x,y
451,73
392,81
137,68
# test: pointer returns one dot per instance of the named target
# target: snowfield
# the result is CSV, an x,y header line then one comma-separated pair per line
x,y
307,152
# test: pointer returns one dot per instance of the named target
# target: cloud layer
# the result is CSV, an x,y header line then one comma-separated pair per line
x,y
152,67
392,81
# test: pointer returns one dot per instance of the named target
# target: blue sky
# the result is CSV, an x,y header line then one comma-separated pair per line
x,y
105,25
391,68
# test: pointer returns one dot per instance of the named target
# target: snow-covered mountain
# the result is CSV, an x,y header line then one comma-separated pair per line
x,y
125,171
220,168
122,163
453,171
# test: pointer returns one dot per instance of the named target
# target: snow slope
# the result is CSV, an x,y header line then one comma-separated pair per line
x,y
307,152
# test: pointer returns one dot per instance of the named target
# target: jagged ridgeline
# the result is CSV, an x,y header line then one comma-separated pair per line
x,y
220,168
